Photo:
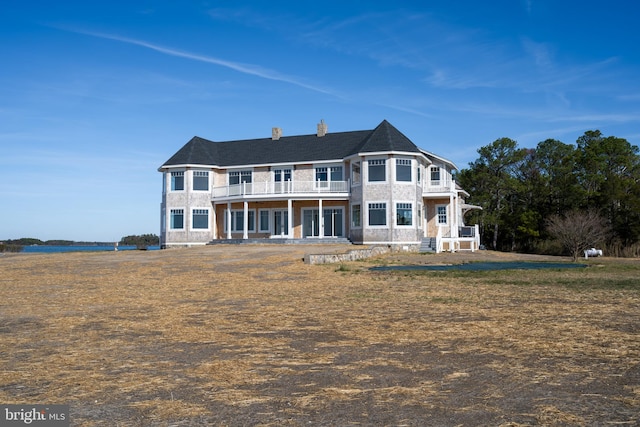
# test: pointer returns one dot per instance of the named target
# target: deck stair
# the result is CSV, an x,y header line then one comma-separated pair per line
x,y
428,245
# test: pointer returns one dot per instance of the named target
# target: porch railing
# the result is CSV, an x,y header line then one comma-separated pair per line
x,y
467,231
455,235
275,188
439,186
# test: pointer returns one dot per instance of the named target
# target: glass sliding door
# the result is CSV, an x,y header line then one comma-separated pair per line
x,y
333,222
280,223
310,223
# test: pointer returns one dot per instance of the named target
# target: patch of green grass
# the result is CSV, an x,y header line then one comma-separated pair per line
x,y
612,275
343,267
346,268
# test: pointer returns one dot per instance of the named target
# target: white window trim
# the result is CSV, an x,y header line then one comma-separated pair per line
x,y
413,214
355,183
250,230
328,167
351,216
208,219
282,168
395,171
366,215
170,217
440,174
193,180
443,224
386,171
258,219
239,172
184,181
326,184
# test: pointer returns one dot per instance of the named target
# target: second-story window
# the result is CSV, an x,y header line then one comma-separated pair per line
x,y
377,170
238,177
335,173
201,180
322,174
177,181
282,175
282,179
355,172
435,175
327,175
403,170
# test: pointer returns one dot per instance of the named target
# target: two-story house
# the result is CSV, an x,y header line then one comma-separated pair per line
x,y
371,187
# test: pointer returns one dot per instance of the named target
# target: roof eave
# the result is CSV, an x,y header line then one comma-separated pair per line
x,y
429,153
166,167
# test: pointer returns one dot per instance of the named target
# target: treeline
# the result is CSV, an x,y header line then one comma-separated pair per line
x,y
28,241
522,190
141,241
16,245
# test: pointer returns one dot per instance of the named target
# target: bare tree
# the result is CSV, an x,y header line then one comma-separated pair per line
x,y
578,230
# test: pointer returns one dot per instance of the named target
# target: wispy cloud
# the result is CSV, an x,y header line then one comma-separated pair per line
x,y
599,118
249,69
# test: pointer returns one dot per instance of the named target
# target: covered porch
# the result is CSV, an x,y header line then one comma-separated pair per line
x,y
273,221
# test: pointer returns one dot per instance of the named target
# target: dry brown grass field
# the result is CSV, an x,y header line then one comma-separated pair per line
x,y
250,335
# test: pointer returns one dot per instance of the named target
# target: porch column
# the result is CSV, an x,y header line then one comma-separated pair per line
x,y
214,225
453,230
245,221
321,219
229,220
290,218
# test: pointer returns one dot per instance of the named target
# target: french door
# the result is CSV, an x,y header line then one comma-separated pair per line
x,y
280,223
333,221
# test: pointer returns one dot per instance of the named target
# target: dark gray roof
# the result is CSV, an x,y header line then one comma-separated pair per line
x,y
292,149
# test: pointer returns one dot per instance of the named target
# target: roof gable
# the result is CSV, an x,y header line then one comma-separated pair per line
x,y
386,137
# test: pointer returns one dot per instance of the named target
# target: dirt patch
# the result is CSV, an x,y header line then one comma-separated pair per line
x,y
250,335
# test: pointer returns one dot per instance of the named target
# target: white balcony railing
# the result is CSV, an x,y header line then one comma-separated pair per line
x,y
275,188
439,186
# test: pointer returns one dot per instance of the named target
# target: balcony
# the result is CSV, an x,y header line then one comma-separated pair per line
x,y
287,188
439,186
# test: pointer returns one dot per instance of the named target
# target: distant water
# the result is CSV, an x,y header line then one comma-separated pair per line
x,y
79,248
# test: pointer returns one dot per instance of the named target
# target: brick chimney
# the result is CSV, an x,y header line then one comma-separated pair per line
x,y
276,133
322,128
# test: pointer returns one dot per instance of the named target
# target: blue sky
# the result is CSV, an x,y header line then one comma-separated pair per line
x,y
95,96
